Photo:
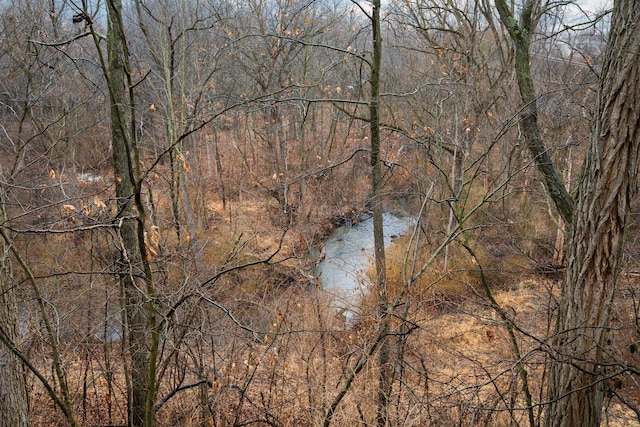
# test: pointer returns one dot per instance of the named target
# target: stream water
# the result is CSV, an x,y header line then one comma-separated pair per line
x,y
349,254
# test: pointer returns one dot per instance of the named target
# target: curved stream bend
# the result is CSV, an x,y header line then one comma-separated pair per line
x,y
349,254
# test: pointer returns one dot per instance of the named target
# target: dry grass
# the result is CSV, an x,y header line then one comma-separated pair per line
x,y
289,359
458,366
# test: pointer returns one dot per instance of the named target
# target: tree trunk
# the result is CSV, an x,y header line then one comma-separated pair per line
x,y
164,50
576,381
520,33
385,378
140,330
14,410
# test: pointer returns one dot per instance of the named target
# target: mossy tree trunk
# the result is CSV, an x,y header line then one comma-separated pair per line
x,y
380,344
577,378
385,378
520,32
140,332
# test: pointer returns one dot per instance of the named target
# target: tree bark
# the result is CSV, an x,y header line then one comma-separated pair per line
x,y
520,33
577,376
163,47
14,409
385,378
140,332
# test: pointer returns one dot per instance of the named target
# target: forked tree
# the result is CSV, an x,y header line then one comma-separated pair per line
x,y
521,31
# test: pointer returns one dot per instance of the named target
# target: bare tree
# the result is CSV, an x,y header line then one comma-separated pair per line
x,y
385,379
521,32
140,332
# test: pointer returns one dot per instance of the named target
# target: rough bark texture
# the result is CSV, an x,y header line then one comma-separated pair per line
x,y
576,382
13,393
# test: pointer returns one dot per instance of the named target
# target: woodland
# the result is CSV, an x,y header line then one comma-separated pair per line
x,y
170,171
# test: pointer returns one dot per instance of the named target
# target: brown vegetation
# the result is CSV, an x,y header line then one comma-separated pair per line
x,y
248,146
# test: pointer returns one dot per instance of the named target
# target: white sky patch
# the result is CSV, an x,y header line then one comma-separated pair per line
x,y
595,6
582,10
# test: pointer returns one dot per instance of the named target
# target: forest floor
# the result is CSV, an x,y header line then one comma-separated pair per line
x,y
465,340
460,342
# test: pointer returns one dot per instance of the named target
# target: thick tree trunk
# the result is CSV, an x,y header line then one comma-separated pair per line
x,y
13,394
576,382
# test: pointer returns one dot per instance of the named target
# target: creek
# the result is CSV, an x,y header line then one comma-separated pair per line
x,y
349,255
